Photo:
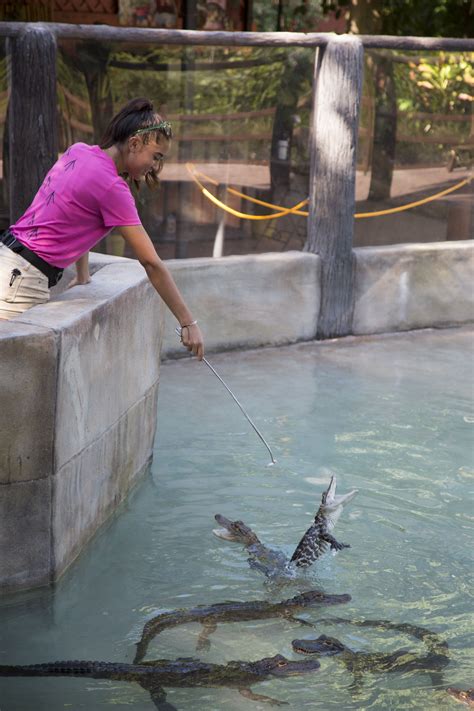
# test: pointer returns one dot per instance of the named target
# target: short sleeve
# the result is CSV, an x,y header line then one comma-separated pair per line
x,y
117,205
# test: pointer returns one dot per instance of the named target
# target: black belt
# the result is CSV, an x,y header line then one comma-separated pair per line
x,y
54,274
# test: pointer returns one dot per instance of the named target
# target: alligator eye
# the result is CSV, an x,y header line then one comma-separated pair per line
x,y
281,664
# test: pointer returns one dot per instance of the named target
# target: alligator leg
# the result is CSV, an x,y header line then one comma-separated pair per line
x,y
335,546
291,618
157,695
203,640
249,694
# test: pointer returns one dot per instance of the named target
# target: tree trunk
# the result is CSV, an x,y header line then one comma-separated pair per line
x,y
297,71
385,130
94,59
366,18
33,121
338,84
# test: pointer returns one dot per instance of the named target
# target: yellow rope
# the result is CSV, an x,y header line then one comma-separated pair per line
x,y
236,213
414,204
295,210
267,204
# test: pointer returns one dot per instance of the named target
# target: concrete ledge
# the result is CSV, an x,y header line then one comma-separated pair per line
x,y
248,301
79,386
28,373
409,286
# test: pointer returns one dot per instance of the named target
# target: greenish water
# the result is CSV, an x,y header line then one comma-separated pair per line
x,y
390,416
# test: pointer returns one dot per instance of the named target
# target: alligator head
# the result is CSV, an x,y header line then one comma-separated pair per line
x,y
281,666
323,645
332,505
463,696
235,531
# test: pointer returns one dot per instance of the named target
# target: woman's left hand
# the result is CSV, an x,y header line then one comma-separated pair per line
x,y
75,281
192,338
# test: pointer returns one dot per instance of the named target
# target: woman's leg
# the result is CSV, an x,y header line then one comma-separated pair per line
x,y
21,284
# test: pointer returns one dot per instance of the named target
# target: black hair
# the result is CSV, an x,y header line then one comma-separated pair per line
x,y
137,114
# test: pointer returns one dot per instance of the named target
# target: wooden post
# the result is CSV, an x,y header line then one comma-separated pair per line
x,y
33,130
333,142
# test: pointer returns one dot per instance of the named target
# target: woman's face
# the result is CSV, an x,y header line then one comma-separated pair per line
x,y
142,157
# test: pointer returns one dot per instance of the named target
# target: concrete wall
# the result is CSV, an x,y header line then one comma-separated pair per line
x,y
408,286
79,379
270,299
248,301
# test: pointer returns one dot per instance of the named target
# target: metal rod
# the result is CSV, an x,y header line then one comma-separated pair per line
x,y
238,403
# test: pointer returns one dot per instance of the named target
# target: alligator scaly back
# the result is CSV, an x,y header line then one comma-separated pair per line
x,y
318,539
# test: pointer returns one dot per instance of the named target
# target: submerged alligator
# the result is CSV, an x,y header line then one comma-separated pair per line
x,y
154,675
315,542
358,663
210,615
464,696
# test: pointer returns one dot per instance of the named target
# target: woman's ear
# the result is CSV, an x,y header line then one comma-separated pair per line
x,y
134,143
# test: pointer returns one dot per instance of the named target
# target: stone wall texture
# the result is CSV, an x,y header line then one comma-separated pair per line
x,y
248,301
79,384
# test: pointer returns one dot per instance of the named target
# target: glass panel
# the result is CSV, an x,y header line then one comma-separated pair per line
x,y
416,139
240,116
4,192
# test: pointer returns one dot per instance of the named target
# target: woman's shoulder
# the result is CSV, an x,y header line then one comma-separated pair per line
x,y
88,152
91,166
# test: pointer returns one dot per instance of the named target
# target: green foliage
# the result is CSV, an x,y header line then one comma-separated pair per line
x,y
425,18
434,93
445,85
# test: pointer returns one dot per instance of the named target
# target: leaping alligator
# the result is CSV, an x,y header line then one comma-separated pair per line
x,y
315,542
210,615
401,660
185,672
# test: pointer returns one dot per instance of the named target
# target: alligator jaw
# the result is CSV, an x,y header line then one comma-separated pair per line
x,y
225,534
323,645
332,506
330,501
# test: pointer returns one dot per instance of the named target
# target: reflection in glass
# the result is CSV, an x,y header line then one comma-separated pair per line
x,y
416,139
240,116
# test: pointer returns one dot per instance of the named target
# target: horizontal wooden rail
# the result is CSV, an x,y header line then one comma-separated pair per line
x,y
222,117
143,35
176,66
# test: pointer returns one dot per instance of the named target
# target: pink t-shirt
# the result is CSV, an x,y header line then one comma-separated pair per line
x,y
80,200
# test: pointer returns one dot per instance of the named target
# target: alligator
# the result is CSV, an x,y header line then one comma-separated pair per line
x,y
464,696
183,672
401,660
210,615
315,542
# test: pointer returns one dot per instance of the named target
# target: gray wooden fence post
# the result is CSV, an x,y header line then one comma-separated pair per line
x,y
333,142
33,130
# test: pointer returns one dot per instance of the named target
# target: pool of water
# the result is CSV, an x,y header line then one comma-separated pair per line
x,y
390,416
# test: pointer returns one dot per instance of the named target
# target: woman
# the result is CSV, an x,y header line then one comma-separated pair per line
x,y
81,199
